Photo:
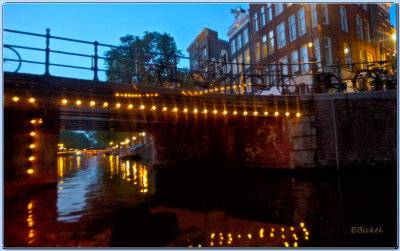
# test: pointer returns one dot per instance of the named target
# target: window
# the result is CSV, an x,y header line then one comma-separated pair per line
x,y
366,31
347,56
258,50
233,46
266,75
343,19
324,14
314,18
359,28
204,52
262,16
271,43
278,9
317,52
239,41
301,21
264,45
272,72
364,6
294,59
280,33
240,62
247,57
255,27
284,61
292,27
234,66
370,59
245,36
304,59
363,58
269,12
328,50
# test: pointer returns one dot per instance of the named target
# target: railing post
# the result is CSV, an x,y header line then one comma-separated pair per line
x,y
47,58
136,67
95,69
174,73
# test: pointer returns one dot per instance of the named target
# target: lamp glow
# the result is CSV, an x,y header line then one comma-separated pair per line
x,y
78,102
15,99
64,101
92,103
30,171
31,100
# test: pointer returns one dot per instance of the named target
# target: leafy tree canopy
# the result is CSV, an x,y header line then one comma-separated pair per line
x,y
153,54
75,140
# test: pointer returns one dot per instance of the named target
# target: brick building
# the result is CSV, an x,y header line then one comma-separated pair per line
x,y
240,43
207,46
296,33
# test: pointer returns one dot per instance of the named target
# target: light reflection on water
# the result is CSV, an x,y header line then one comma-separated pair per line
x,y
81,179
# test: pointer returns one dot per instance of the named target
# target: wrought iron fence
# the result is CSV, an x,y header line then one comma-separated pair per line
x,y
219,76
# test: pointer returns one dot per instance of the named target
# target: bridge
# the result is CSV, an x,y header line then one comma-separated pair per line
x,y
196,127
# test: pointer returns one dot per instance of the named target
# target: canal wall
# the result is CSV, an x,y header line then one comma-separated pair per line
x,y
336,130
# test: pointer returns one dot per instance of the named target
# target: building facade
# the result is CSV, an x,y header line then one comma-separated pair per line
x,y
240,47
292,34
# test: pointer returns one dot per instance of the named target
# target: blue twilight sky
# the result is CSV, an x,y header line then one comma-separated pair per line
x,y
106,23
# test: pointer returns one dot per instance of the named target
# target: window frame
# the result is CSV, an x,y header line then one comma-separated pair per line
x,y
301,21
292,26
281,35
343,19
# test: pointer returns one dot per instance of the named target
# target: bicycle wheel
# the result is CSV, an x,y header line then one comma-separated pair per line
x,y
332,84
286,86
362,81
11,59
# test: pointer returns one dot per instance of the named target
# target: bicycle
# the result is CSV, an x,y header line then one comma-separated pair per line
x,y
374,79
10,60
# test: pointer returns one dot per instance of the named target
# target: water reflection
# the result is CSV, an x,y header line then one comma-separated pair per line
x,y
103,201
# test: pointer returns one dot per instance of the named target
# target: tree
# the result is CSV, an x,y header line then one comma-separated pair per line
x,y
75,140
144,60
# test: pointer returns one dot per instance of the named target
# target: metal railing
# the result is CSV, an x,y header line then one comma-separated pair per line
x,y
205,74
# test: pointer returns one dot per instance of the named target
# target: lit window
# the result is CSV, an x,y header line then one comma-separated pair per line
x,y
301,21
240,62
363,58
234,66
271,43
265,47
347,56
247,57
258,50
280,32
292,27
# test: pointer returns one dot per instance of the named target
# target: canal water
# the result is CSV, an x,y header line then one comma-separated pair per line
x,y
103,201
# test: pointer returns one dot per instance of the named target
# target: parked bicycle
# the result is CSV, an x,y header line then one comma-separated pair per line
x,y
375,78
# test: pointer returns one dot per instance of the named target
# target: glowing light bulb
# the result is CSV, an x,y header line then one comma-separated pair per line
x,y
32,133
130,106
215,111
195,110
205,111
118,105
32,146
287,114
142,107
15,99
92,103
244,113
78,102
255,113
175,109
33,121
225,112
286,244
30,171
301,224
31,100
64,101
105,104
153,107
31,158
298,114
185,110
265,113
276,113
164,108
235,113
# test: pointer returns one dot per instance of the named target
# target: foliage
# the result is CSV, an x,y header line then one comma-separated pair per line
x,y
103,138
143,53
75,140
